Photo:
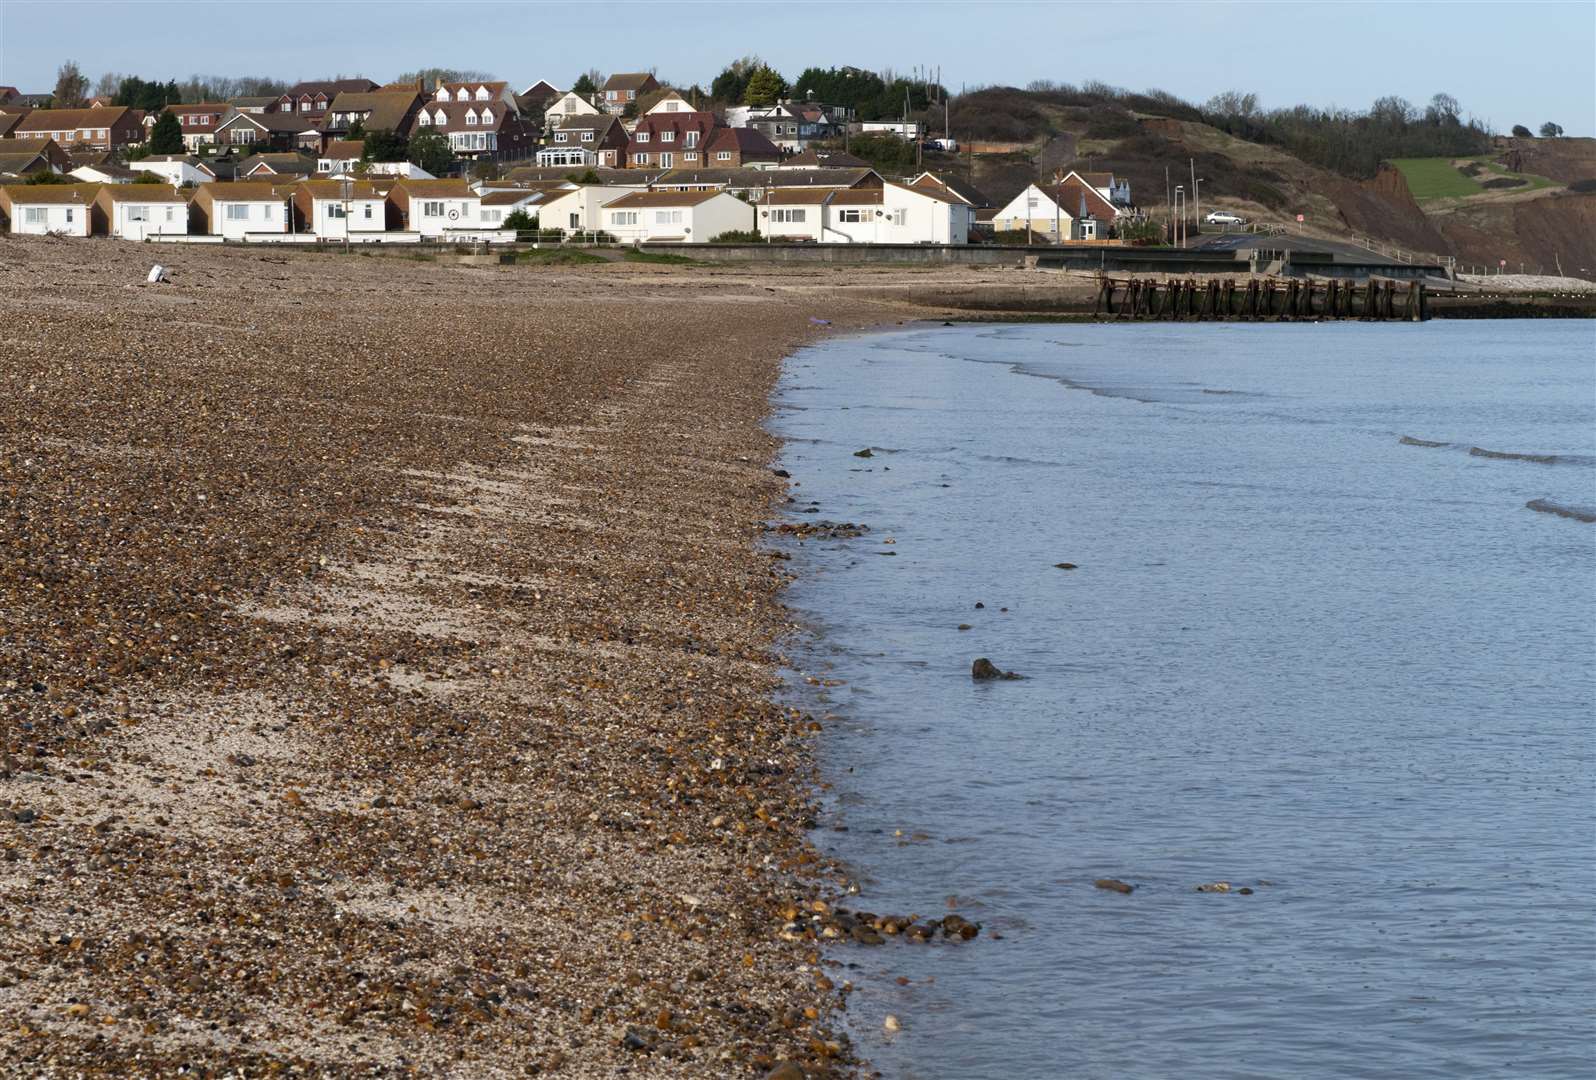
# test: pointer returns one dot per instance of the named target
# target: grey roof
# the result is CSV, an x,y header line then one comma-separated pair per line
x,y
767,178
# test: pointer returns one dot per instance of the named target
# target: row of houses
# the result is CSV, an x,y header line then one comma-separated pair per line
x,y
823,204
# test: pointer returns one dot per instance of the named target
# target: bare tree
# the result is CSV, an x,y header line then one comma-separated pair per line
x,y
108,85
70,86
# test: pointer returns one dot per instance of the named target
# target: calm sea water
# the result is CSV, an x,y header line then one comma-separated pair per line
x,y
1305,651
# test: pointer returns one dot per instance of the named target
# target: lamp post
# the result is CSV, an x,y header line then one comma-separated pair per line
x,y
1180,215
344,186
1197,202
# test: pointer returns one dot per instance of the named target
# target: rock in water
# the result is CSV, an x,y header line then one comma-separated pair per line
x,y
863,453
1065,566
1114,885
1215,886
984,669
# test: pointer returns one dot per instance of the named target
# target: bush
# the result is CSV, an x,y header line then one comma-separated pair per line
x,y
520,221
1142,232
147,178
738,236
48,177
1522,132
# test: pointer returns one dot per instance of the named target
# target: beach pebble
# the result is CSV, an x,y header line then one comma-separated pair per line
x,y
891,1023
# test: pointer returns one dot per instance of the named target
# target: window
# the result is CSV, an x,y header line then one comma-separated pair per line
x,y
169,218
576,221
324,165
793,215
304,106
692,138
691,155
482,93
667,136
425,119
34,215
471,118
205,120
642,136
570,105
487,116
667,217
641,159
492,217
667,161
587,136
623,217
900,216
670,106
432,209
368,211
237,211
443,93
335,210
722,155
440,117
559,136
138,213
69,215
851,215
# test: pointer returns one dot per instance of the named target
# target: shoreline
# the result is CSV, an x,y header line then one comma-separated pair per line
x,y
382,697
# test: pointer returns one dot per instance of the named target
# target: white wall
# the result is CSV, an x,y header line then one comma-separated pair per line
x,y
164,219
453,213
366,214
261,217
923,221
585,202
64,220
175,173
557,108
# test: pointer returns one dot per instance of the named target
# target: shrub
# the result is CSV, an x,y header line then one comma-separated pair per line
x,y
147,178
738,236
1522,132
520,221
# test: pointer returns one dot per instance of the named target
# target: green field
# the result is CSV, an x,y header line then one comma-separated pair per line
x,y
1440,178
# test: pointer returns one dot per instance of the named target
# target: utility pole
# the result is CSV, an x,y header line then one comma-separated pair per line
x,y
1194,174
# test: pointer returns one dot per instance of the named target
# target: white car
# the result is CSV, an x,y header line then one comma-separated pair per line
x,y
1225,217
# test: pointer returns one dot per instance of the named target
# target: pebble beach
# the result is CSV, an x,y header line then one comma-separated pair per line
x,y
388,669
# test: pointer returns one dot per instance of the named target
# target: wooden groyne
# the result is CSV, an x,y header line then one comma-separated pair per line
x,y
1261,300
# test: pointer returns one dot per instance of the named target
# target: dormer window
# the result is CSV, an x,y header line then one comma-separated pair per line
x,y
440,117
443,93
425,119
487,116
559,136
667,136
692,138
642,136
482,93
587,136
471,117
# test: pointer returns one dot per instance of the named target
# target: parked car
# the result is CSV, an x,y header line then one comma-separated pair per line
x,y
947,146
1225,217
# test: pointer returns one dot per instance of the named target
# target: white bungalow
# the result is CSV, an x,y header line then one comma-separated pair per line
x,y
336,209
890,214
437,207
676,216
234,211
48,209
139,211
176,169
578,209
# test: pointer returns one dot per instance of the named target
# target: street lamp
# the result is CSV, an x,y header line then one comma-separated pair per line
x,y
1180,215
1197,203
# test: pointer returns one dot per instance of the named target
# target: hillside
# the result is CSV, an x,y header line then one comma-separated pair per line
x,y
1526,201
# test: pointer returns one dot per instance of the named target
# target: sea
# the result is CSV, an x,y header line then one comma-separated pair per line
x,y
1326,632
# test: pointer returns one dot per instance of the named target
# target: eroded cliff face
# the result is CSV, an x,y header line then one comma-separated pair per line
x,y
1385,208
1552,234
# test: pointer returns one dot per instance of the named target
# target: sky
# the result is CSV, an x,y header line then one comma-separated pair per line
x,y
1508,63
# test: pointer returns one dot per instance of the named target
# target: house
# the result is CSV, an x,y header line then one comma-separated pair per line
x,y
669,140
480,130
104,174
338,209
23,162
670,102
793,125
567,105
588,139
277,167
176,169
9,122
271,131
739,148
256,105
620,91
579,209
498,205
106,129
962,190
889,214
387,110
9,94
753,183
137,211
1114,189
232,211
313,99
1073,210
436,207
676,216
48,209
340,157
199,123
478,92
824,159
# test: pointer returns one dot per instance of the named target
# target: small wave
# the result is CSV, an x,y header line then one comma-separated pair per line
x,y
1578,513
1505,455
1409,440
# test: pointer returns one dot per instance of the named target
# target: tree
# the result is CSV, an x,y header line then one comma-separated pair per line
x,y
486,169
70,86
520,221
108,85
166,137
430,150
1550,130
1443,109
586,177
588,83
731,84
1522,132
1393,111
765,87
382,144
629,110
1232,103
429,78
45,176
147,178
357,130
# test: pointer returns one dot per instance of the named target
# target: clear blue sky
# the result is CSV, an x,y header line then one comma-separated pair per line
x,y
1508,63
